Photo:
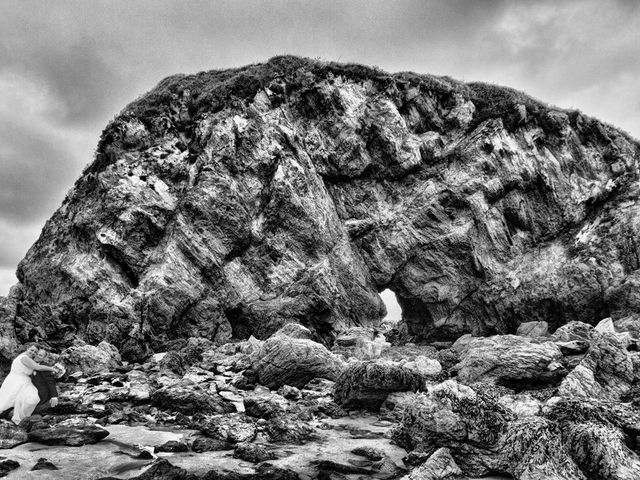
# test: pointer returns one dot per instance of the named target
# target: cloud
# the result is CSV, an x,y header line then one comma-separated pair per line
x,y
7,280
38,159
16,243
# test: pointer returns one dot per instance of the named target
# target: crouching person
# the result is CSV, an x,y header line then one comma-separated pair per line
x,y
45,382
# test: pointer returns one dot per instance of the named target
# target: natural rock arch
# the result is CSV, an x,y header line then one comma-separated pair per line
x,y
230,202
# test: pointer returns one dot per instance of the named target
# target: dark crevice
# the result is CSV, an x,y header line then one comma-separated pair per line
x,y
116,258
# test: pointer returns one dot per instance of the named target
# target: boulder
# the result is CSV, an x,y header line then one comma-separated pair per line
x,y
236,428
317,388
289,429
140,388
44,464
521,404
629,324
532,448
606,372
573,347
533,329
395,403
510,360
7,465
289,392
453,415
90,359
161,469
367,384
283,360
189,399
265,406
206,444
594,434
11,435
171,446
370,453
254,452
573,330
173,362
600,450
425,367
72,436
295,330
463,342
439,466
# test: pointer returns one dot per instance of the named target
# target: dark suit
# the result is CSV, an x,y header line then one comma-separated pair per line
x,y
46,385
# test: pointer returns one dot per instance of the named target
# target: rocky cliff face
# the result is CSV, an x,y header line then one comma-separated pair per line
x,y
227,203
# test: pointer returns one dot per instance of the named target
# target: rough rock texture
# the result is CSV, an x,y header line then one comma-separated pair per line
x,y
367,384
283,360
594,433
455,416
11,435
231,202
533,329
73,436
510,359
533,450
89,359
439,466
230,428
607,372
188,398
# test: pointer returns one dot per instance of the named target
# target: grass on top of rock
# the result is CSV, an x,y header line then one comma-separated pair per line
x,y
213,90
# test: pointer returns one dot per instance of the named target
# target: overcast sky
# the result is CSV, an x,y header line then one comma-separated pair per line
x,y
67,67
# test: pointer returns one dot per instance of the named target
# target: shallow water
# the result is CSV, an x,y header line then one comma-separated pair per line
x,y
336,438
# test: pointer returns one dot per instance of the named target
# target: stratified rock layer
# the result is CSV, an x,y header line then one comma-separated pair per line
x,y
228,203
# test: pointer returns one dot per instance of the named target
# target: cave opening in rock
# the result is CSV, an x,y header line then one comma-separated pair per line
x,y
394,311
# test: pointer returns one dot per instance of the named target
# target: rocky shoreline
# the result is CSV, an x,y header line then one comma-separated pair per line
x,y
529,406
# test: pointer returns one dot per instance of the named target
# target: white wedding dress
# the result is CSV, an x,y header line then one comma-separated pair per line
x,y
18,392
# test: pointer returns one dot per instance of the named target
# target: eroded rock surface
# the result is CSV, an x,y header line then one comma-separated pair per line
x,y
229,203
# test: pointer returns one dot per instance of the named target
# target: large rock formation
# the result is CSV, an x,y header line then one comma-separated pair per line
x,y
227,203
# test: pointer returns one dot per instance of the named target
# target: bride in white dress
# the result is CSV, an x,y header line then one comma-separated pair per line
x,y
17,391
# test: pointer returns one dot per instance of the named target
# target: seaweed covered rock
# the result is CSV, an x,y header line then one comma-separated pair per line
x,y
601,452
533,449
367,384
453,415
510,360
594,434
283,360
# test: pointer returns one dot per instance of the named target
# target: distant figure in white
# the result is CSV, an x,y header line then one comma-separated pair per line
x,y
371,349
17,391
